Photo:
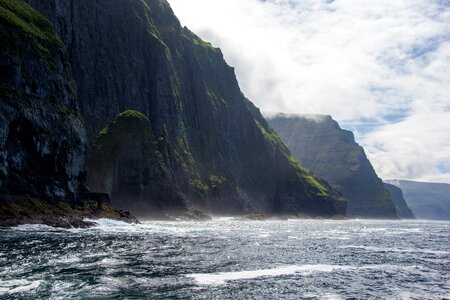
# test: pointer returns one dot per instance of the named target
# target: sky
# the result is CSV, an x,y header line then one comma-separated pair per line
x,y
380,68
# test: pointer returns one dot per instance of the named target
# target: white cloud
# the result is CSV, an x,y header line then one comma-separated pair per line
x,y
384,62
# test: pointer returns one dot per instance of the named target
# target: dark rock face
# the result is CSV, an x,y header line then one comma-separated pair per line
x,y
219,154
430,201
42,138
332,153
401,207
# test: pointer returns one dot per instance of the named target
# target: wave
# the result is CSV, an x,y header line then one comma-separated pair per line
x,y
9,287
34,227
221,278
224,219
405,250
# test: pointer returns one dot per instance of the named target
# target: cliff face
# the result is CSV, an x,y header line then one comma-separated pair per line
x,y
332,153
429,201
219,153
403,211
42,139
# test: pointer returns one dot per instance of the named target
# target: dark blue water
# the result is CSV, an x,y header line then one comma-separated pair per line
x,y
227,259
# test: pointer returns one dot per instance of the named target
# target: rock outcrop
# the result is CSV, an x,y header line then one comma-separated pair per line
x,y
332,153
403,211
42,137
430,201
208,143
128,163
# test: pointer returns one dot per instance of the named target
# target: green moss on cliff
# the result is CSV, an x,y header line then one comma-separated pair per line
x,y
199,42
269,134
293,161
184,157
200,187
216,181
126,122
307,177
204,52
322,191
303,173
21,25
217,101
132,115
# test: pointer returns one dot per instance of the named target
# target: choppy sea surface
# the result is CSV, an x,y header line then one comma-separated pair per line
x,y
228,259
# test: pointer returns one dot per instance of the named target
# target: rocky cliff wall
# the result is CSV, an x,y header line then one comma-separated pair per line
x,y
222,156
42,137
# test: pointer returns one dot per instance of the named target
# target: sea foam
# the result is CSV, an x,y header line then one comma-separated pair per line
x,y
223,277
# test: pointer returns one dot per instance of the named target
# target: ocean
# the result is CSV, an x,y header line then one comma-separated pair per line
x,y
228,259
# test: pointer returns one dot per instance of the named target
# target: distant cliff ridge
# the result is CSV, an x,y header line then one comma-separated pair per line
x,y
427,200
403,211
198,142
332,153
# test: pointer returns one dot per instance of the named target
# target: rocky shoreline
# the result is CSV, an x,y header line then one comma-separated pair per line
x,y
16,211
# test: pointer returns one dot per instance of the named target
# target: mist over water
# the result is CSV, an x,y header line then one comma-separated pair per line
x,y
225,258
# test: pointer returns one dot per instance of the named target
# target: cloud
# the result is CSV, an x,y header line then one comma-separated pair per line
x,y
311,117
381,68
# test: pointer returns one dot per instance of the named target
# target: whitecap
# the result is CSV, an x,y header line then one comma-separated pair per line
x,y
223,219
110,225
18,286
223,277
34,227
264,235
369,230
404,250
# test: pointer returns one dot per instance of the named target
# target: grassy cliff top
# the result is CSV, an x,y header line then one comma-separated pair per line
x,y
21,26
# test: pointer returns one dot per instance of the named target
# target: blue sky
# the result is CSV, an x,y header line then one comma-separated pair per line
x,y
381,68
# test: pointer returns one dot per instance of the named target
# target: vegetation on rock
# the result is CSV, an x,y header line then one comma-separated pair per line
x,y
22,26
333,154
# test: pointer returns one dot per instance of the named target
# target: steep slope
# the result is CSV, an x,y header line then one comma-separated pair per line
x,y
128,164
403,211
221,154
429,201
332,153
42,138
